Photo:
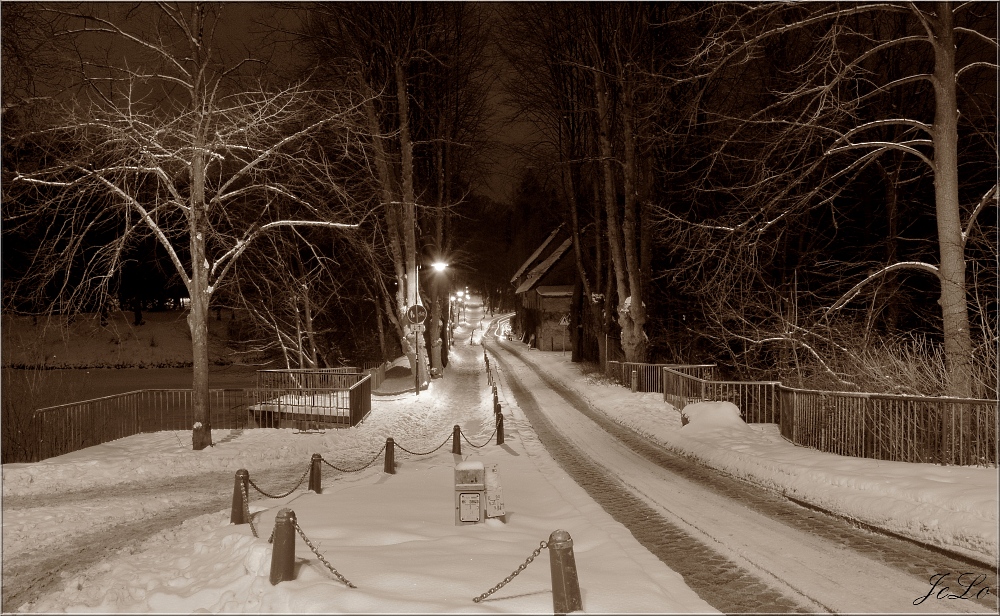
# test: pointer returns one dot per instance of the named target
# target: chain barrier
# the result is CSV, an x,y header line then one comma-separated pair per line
x,y
301,479
321,558
488,440
246,510
344,470
506,580
427,453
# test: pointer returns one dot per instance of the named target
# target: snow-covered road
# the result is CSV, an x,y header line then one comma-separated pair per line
x,y
818,573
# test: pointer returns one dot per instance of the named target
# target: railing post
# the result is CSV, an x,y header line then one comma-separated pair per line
x,y
316,474
240,487
390,456
283,551
499,428
456,444
565,585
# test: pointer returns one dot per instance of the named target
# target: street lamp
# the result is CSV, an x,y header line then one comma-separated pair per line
x,y
436,346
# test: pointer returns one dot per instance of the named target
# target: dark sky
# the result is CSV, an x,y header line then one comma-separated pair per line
x,y
250,24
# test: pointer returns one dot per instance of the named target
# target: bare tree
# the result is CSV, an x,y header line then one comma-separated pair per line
x,y
162,140
417,67
802,106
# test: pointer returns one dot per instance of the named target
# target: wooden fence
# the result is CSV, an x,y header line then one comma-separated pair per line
x,y
880,426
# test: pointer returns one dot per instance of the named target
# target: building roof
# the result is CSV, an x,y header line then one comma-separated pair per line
x,y
535,254
539,270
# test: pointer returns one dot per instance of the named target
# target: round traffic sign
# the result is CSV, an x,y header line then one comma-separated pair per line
x,y
416,313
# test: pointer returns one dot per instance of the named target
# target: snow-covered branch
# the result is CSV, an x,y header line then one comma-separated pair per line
x,y
913,265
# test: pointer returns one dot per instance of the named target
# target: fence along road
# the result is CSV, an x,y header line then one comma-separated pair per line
x,y
792,556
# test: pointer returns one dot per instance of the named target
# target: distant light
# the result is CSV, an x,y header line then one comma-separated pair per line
x,y
439,266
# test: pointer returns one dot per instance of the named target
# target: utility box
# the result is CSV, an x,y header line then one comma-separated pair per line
x,y
470,493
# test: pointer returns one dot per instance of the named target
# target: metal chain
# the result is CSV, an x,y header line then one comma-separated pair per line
x,y
321,558
488,440
506,580
370,462
246,509
301,479
427,453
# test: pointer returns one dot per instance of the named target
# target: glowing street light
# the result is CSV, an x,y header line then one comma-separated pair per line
x,y
439,266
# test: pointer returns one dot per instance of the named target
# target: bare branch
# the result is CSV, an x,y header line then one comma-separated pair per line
x,y
913,265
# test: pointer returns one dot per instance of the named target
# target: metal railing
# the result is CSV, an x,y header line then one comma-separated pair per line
x,y
63,428
361,398
376,370
892,427
757,400
300,407
308,378
881,426
649,375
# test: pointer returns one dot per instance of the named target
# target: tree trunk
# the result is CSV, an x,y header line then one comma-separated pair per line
x,y
435,324
631,311
634,340
201,436
392,216
409,217
954,306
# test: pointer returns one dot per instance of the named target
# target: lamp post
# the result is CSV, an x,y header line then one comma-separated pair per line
x,y
416,326
436,339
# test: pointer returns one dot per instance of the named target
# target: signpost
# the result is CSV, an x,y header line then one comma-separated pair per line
x,y
565,323
416,314
494,493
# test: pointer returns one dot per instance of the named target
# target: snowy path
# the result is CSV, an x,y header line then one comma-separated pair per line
x,y
820,574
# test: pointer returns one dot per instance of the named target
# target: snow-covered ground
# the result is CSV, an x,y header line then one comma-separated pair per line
x,y
954,507
395,537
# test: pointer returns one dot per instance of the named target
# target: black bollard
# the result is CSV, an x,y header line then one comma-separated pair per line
x,y
456,444
499,429
496,408
565,585
283,550
240,486
390,456
316,474
635,381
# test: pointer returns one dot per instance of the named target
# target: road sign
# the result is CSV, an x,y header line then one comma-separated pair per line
x,y
565,321
416,313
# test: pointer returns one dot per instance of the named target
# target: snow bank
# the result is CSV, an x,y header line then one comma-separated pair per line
x,y
704,417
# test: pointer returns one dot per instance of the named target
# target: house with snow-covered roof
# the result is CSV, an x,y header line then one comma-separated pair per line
x,y
544,290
